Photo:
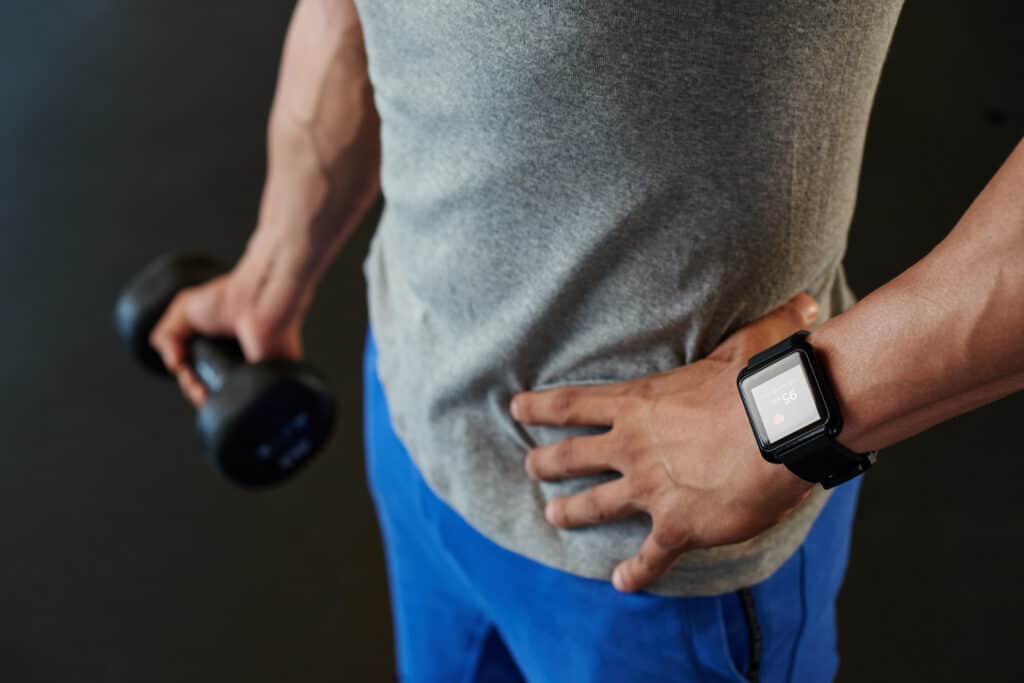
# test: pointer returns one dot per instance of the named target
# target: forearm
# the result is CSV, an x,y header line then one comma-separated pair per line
x,y
944,337
323,146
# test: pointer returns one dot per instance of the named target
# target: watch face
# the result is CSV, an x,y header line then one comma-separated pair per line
x,y
781,399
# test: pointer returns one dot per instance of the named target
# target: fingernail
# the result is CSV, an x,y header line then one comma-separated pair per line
x,y
549,513
617,580
513,407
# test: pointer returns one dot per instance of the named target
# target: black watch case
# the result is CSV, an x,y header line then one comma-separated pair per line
x,y
779,358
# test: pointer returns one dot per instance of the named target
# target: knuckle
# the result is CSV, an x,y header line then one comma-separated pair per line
x,y
663,538
563,401
668,536
636,408
617,459
568,456
627,449
642,487
565,451
592,508
643,566
655,477
642,390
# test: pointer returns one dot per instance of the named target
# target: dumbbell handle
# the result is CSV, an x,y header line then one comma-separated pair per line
x,y
213,359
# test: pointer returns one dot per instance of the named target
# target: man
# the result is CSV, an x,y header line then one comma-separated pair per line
x,y
596,214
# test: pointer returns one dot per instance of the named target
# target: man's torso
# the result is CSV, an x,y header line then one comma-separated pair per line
x,y
590,192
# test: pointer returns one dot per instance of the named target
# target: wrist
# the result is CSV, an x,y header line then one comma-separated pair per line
x,y
787,394
859,423
775,480
780,480
277,266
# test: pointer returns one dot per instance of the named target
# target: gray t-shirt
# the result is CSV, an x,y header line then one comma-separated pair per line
x,y
589,191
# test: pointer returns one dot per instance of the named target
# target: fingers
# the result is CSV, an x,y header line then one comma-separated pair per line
x,y
265,318
575,456
656,555
169,335
601,503
193,310
191,387
565,406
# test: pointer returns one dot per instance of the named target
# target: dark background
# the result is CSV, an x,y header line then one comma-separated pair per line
x,y
128,129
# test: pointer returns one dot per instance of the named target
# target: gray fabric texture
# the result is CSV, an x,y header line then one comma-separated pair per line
x,y
586,192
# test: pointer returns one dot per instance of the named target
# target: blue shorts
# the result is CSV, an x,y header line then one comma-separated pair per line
x,y
466,609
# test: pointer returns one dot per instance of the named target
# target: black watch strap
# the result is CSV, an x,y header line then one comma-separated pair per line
x,y
828,462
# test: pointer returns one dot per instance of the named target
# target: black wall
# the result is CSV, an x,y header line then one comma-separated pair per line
x,y
129,129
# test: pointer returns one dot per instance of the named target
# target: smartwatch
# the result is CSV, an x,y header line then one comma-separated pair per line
x,y
795,416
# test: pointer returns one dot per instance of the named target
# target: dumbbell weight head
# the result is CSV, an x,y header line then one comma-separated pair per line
x,y
144,299
267,420
261,422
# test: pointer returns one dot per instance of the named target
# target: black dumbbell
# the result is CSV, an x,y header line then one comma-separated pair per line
x,y
261,422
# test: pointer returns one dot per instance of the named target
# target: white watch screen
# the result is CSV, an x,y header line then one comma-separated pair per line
x,y
783,398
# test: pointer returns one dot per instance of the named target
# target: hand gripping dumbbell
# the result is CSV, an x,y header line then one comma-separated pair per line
x,y
261,422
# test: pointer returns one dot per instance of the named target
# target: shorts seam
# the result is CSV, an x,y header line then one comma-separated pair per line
x,y
803,614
